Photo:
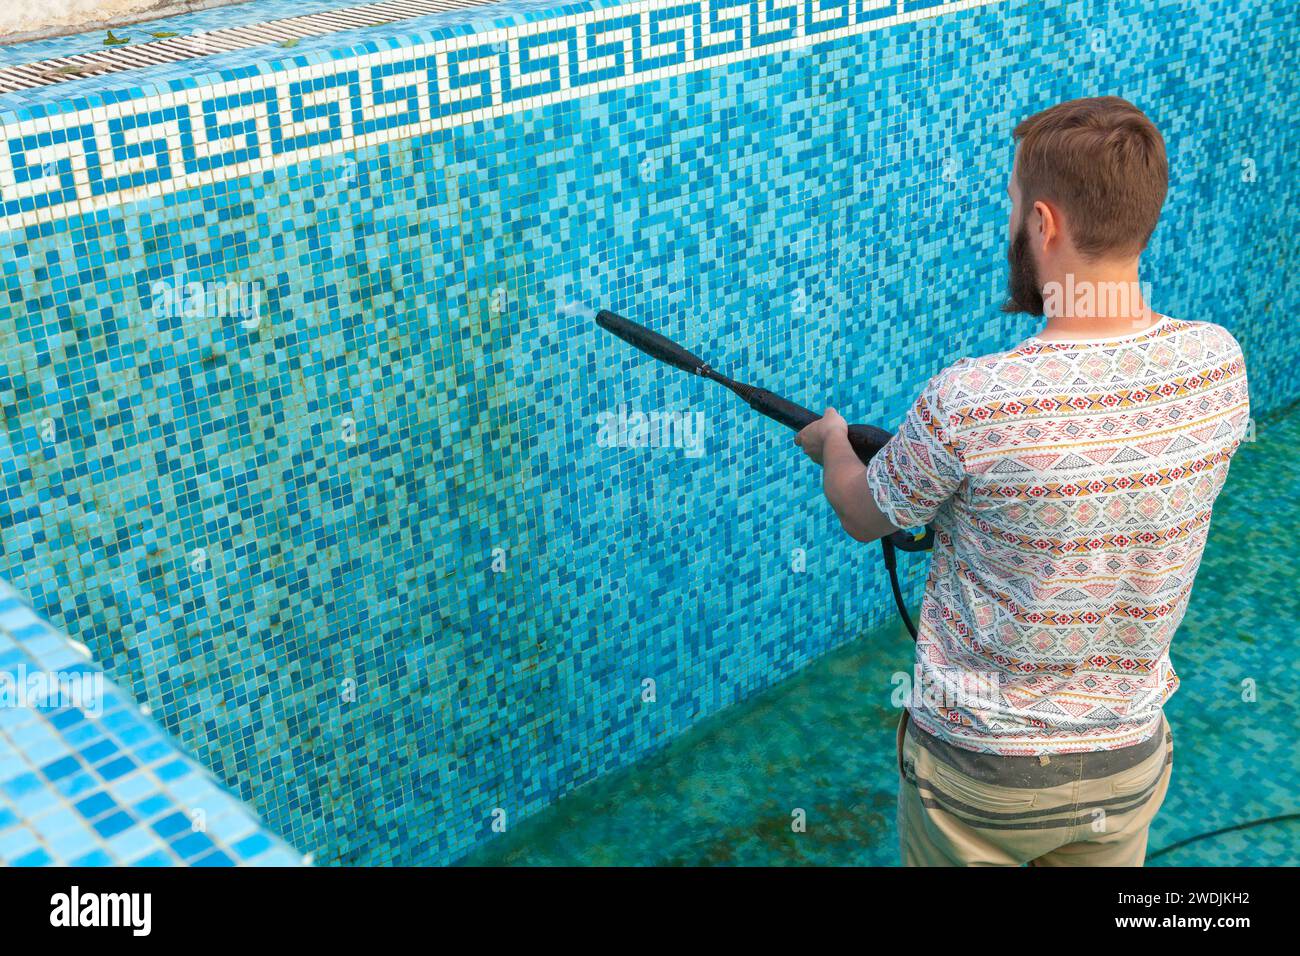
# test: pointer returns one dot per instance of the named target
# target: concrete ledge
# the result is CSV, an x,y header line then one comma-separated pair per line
x,y
22,20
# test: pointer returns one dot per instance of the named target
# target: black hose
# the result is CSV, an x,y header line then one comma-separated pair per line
x,y
1284,818
891,565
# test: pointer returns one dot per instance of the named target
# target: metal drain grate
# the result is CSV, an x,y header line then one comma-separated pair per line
x,y
117,59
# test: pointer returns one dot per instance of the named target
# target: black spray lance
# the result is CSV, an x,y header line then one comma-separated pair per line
x,y
866,440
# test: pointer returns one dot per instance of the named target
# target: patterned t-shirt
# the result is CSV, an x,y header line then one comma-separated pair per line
x,y
1070,487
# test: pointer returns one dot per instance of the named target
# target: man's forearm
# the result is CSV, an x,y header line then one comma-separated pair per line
x,y
844,481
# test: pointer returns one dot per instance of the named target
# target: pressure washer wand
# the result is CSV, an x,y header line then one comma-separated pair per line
x,y
865,440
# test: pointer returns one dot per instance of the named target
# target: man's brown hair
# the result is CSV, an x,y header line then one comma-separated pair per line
x,y
1102,162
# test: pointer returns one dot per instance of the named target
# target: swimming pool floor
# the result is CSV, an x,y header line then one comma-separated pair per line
x,y
822,742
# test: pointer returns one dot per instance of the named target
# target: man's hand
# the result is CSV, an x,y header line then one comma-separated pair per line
x,y
844,477
813,438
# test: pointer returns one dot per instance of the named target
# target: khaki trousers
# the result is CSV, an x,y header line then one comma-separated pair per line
x,y
959,808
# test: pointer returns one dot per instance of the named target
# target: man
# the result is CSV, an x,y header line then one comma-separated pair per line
x,y
1069,482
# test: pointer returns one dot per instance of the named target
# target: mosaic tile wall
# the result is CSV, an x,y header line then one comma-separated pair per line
x,y
307,428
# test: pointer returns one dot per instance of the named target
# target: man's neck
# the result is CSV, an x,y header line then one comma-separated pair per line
x,y
1095,301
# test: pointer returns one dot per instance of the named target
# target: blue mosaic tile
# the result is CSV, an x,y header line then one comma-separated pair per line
x,y
300,384
94,858
37,857
156,858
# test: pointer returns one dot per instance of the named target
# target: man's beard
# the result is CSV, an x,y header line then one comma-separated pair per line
x,y
1024,293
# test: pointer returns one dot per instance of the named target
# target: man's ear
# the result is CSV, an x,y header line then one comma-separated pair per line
x,y
1048,224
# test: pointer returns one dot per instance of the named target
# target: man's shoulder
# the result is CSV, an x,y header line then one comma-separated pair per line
x,y
1208,334
974,377
970,380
